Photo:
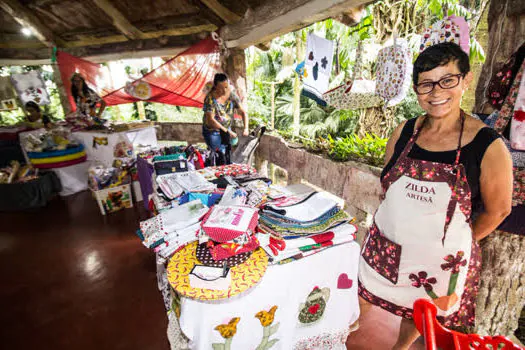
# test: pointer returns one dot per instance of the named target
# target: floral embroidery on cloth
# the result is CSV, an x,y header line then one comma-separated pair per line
x,y
313,308
227,331
518,196
266,318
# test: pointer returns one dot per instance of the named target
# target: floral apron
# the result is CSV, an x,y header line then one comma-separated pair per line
x,y
420,244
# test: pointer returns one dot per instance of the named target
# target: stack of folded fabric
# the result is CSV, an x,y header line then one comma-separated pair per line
x,y
174,185
315,213
294,227
229,230
173,228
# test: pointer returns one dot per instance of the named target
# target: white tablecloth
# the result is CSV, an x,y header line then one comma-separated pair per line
x,y
286,286
104,154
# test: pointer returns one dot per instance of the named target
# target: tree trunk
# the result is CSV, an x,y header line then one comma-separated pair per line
x,y
502,285
506,19
501,294
234,65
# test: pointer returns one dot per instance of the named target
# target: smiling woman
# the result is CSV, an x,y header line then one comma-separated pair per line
x,y
460,174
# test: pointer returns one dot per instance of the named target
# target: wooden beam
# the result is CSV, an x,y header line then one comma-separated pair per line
x,y
276,17
119,20
89,41
165,46
223,12
28,20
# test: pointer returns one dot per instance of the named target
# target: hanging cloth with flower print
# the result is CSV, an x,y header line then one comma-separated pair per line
x,y
421,245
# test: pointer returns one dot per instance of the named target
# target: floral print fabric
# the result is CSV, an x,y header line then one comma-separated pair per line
x,y
394,66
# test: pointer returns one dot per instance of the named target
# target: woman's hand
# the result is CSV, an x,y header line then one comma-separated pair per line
x,y
232,134
245,132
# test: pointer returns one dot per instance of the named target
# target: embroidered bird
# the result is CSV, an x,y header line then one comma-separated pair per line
x,y
228,330
266,317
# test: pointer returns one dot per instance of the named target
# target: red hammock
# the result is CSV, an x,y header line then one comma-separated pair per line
x,y
179,81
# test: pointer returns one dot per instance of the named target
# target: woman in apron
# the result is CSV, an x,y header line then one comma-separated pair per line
x,y
441,169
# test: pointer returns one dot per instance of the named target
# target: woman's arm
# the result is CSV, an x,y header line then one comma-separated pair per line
x,y
245,120
101,108
496,189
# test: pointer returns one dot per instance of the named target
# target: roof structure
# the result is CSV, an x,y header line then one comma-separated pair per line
x,y
103,30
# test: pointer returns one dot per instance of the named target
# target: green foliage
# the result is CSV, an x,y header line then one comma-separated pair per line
x,y
370,149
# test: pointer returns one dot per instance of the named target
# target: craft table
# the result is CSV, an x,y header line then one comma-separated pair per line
x,y
333,272
100,146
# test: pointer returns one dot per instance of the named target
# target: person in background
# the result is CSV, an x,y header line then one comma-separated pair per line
x,y
86,99
35,118
219,108
447,184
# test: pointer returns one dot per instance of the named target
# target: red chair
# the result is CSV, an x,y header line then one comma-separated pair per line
x,y
438,337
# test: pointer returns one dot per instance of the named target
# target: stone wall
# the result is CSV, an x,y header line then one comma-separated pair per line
x,y
358,184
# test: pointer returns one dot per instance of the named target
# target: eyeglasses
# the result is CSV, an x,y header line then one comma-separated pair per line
x,y
445,83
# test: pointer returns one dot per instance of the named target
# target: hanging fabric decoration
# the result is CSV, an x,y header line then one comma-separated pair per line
x,y
179,81
7,94
30,87
517,124
317,67
394,68
501,82
451,29
356,93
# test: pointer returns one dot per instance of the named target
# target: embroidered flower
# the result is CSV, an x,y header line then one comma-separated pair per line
x,y
454,263
228,330
422,280
266,317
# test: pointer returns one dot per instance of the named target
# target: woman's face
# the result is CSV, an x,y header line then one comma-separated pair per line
x,y
78,82
222,88
33,114
440,102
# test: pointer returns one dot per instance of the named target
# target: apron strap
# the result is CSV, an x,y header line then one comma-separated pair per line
x,y
413,138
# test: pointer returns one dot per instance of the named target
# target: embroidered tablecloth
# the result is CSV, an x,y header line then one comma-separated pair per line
x,y
306,304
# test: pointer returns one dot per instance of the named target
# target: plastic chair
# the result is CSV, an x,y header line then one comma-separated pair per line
x,y
438,337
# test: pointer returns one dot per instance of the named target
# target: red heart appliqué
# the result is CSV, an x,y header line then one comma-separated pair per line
x,y
343,282
313,309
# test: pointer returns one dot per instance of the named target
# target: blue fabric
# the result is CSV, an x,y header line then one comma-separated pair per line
x,y
50,154
206,199
213,140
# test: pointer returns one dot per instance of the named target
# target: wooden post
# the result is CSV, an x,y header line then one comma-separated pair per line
x,y
234,65
296,104
272,94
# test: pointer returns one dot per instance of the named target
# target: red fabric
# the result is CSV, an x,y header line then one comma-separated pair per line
x,y
436,336
179,81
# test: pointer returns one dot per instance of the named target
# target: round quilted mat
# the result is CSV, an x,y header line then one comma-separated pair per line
x,y
203,255
243,276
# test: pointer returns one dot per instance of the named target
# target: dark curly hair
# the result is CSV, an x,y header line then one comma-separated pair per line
x,y
440,55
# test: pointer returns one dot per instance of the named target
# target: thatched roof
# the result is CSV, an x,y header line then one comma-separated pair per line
x,y
130,28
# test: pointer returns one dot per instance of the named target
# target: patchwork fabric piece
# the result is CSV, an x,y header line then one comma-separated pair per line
x,y
518,195
517,124
225,223
243,244
354,95
243,276
266,318
501,82
518,157
451,29
31,87
204,256
227,331
317,67
154,230
313,309
393,77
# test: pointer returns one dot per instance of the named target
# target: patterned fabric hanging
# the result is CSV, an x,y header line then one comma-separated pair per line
x,y
394,67
451,29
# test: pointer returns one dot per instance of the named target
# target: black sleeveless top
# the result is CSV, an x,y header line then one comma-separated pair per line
x,y
471,157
